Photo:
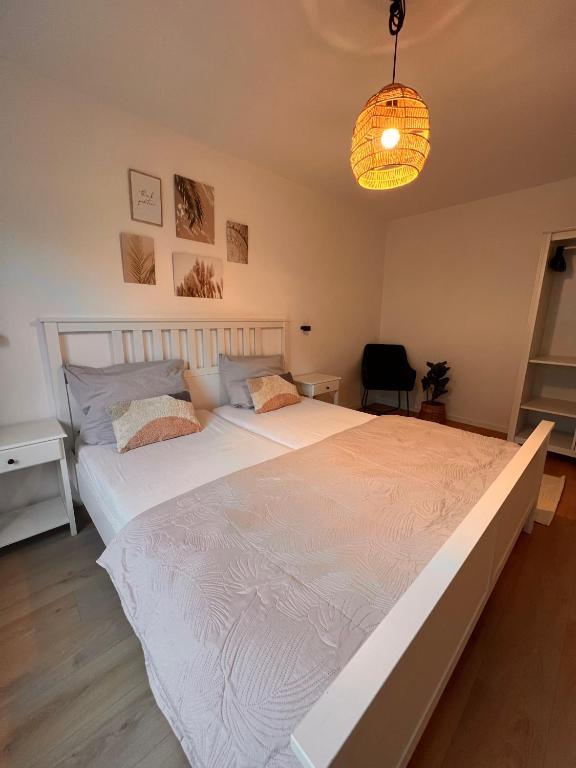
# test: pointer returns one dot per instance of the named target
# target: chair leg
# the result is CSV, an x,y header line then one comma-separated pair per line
x,y
364,398
407,403
399,402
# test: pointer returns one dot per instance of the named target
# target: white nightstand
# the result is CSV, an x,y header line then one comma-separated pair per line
x,y
27,445
312,384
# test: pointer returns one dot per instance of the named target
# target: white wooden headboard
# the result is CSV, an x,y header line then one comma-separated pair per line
x,y
105,341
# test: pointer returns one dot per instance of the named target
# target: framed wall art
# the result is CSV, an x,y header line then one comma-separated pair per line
x,y
145,197
199,277
138,263
194,206
237,242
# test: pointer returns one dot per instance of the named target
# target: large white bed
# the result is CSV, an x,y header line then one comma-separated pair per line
x,y
375,709
121,486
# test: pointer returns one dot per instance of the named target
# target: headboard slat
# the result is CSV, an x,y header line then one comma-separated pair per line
x,y
191,345
233,340
221,341
207,349
157,350
258,341
138,342
175,345
117,347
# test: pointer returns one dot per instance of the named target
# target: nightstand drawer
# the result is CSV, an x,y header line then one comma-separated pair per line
x,y
12,459
326,386
314,384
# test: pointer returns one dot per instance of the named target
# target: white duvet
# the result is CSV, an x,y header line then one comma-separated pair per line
x,y
126,484
296,426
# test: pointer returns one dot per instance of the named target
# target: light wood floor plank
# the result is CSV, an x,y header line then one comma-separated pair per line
x,y
167,753
561,741
40,581
67,659
131,728
58,712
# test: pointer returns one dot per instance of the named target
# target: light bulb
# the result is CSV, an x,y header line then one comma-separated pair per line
x,y
390,137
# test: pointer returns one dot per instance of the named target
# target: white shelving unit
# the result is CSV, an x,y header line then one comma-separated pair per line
x,y
547,379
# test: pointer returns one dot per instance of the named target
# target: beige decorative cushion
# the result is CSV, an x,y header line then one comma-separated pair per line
x,y
141,422
234,372
272,392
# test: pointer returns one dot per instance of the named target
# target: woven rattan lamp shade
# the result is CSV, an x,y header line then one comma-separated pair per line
x,y
395,106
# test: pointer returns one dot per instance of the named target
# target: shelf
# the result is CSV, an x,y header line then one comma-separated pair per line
x,y
551,405
560,442
567,236
28,521
567,361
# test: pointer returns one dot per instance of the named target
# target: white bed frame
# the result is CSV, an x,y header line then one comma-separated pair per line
x,y
375,711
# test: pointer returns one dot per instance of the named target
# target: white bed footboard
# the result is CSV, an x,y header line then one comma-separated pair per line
x,y
377,708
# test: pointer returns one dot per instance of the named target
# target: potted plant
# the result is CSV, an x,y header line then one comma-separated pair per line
x,y
434,386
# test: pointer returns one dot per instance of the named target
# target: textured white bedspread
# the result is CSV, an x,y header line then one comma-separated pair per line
x,y
251,593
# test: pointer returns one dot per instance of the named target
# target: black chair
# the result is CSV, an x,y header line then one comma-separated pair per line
x,y
386,367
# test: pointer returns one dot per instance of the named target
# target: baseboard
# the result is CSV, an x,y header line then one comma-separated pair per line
x,y
463,419
475,423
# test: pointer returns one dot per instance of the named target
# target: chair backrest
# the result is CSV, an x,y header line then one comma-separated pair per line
x,y
386,366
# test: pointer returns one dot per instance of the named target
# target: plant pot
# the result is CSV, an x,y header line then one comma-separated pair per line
x,y
433,411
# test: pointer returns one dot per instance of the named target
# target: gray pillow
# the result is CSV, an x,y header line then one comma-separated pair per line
x,y
235,371
95,388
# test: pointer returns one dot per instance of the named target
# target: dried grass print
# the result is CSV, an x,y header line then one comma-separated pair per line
x,y
203,280
138,263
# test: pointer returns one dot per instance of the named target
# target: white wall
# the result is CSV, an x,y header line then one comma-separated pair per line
x,y
458,285
64,201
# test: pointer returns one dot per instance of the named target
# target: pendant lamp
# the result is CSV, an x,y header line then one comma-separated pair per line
x,y
390,142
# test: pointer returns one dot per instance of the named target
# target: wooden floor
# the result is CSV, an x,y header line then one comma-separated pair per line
x,y
73,689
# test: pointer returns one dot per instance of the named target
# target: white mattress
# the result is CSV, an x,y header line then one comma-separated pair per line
x,y
118,486
296,426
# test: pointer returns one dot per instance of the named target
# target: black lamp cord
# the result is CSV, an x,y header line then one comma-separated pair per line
x,y
395,22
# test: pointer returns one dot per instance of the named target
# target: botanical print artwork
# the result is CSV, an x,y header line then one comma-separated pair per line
x,y
237,242
138,264
145,197
197,276
194,203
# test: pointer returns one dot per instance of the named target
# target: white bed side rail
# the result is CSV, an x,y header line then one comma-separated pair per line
x,y
375,711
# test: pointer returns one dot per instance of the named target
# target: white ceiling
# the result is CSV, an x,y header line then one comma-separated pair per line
x,y
280,82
